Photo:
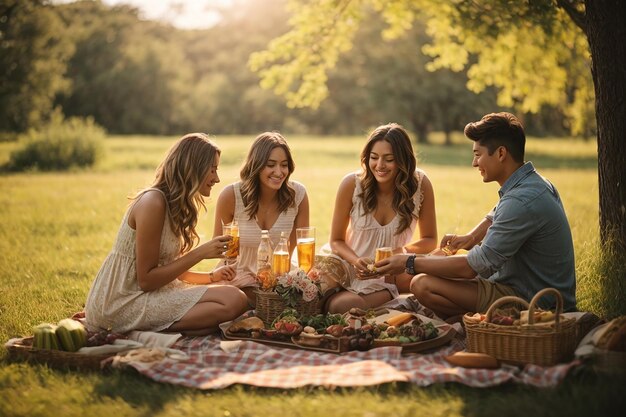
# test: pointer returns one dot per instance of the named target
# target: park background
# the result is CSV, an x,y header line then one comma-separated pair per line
x,y
121,89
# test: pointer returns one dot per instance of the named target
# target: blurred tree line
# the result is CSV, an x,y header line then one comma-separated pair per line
x,y
138,76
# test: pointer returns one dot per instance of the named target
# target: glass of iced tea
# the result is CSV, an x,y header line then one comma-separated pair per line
x,y
383,253
232,252
305,240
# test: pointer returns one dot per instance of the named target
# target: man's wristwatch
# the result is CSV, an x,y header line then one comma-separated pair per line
x,y
410,265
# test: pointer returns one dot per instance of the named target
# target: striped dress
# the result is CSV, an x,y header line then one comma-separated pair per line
x,y
250,235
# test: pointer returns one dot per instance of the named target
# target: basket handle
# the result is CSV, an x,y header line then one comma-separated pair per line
x,y
504,300
559,305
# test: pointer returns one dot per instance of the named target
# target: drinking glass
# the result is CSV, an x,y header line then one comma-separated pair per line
x,y
383,253
305,240
232,252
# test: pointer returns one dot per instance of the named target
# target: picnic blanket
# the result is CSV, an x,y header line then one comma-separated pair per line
x,y
212,363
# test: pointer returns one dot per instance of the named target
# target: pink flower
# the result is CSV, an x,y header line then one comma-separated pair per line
x,y
299,284
302,284
309,293
314,274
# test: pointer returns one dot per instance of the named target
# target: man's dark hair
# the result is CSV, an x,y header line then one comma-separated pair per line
x,y
499,129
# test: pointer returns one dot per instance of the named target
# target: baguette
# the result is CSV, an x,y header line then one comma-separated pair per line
x,y
473,360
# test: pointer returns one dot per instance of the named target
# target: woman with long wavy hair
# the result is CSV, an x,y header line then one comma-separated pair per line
x,y
264,199
380,206
145,283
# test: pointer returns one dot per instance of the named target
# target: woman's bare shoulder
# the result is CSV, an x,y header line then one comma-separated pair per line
x,y
227,195
151,199
349,180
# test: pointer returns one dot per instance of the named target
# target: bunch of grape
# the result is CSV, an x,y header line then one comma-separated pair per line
x,y
362,339
103,337
414,331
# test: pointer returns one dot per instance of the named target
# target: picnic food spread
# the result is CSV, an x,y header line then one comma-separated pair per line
x,y
356,330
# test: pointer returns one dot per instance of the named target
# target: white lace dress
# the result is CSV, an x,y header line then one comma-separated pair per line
x,y
115,300
364,234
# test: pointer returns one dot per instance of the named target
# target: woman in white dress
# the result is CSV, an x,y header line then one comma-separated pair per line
x,y
263,199
380,206
145,282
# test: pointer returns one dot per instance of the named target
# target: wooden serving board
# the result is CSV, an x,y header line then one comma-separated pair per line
x,y
446,333
330,344
443,338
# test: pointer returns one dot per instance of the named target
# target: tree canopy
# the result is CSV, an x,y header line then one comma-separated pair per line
x,y
138,76
512,43
33,57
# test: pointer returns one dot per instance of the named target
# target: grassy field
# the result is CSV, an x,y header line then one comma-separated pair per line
x,y
56,229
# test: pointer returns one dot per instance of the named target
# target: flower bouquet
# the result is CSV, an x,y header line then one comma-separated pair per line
x,y
297,289
298,285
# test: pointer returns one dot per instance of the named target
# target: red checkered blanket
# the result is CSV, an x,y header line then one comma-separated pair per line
x,y
210,367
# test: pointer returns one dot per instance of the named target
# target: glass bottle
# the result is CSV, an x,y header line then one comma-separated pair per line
x,y
264,253
280,260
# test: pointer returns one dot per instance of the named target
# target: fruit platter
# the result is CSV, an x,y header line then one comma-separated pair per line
x,y
337,333
62,345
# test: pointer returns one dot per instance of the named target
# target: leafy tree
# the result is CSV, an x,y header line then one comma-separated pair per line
x,y
33,57
404,91
126,72
533,52
226,95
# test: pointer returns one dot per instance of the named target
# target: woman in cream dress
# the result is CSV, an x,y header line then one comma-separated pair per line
x,y
145,282
381,206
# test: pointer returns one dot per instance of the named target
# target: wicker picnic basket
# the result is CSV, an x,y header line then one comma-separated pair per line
x,y
23,350
542,344
269,305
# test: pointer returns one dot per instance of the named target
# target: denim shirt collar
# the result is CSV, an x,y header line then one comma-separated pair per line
x,y
519,174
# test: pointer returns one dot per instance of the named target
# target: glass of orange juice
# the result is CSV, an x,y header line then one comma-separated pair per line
x,y
232,252
305,240
383,253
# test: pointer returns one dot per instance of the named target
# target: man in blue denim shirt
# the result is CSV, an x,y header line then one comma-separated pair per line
x,y
527,243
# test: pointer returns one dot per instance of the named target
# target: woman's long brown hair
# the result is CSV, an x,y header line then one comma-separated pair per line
x,y
405,182
180,176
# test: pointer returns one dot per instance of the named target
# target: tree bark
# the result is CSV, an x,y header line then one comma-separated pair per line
x,y
606,33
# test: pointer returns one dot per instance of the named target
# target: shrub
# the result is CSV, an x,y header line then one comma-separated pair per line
x,y
59,145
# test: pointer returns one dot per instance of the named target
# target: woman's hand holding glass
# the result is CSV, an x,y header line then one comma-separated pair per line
x,y
393,265
216,247
231,251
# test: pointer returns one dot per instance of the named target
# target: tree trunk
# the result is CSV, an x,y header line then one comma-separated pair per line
x,y
606,33
448,137
421,131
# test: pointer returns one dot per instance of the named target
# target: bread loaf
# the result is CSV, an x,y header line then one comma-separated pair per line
x,y
614,337
473,360
246,326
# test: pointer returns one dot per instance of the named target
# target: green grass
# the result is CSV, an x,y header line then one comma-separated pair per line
x,y
57,228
